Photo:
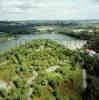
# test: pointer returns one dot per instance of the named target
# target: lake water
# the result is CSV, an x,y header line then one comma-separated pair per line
x,y
68,41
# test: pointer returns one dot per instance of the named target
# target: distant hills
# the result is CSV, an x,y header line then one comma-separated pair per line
x,y
9,26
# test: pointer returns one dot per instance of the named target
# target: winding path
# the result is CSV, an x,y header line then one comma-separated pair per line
x,y
48,70
53,68
6,62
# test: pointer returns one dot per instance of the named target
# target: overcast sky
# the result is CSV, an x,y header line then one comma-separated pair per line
x,y
48,9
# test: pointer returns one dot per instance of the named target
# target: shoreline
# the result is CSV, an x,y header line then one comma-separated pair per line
x,y
7,39
70,44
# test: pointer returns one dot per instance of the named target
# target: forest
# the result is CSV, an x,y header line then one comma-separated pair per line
x,y
41,67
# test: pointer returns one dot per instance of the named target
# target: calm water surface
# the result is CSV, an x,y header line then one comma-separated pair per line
x,y
68,41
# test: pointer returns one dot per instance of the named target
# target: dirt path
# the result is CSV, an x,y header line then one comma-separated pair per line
x,y
4,63
3,84
48,70
32,78
53,68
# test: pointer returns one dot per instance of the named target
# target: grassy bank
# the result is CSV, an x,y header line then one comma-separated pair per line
x,y
6,37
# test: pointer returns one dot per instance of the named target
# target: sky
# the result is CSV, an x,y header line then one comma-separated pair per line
x,y
48,9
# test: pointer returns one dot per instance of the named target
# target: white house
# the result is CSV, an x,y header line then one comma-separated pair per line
x,y
90,52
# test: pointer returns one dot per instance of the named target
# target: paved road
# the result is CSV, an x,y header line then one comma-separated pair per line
x,y
84,79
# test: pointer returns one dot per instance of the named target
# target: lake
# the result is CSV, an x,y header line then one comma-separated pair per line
x,y
68,41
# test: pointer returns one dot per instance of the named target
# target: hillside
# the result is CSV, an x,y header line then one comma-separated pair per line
x,y
38,68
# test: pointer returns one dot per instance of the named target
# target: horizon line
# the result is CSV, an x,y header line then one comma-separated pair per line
x,y
48,20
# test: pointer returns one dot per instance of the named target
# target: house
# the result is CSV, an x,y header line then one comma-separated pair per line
x,y
90,31
97,54
90,52
78,30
